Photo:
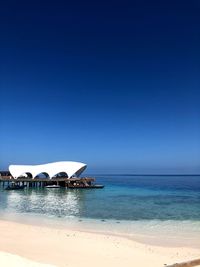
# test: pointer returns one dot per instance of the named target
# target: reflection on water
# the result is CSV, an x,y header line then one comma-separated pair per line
x,y
163,205
123,198
59,202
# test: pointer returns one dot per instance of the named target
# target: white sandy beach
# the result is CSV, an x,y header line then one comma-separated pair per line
x,y
32,245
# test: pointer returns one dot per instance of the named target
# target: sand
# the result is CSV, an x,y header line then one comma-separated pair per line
x,y
32,245
7,259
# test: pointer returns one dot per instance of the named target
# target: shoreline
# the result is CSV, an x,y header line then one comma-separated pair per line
x,y
152,232
66,247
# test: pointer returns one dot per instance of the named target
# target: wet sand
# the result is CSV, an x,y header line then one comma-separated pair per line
x,y
33,245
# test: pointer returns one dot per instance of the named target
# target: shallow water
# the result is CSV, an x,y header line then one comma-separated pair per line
x,y
123,198
132,205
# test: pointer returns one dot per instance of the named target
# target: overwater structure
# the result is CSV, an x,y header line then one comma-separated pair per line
x,y
65,169
63,173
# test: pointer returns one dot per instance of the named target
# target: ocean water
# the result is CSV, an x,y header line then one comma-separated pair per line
x,y
134,204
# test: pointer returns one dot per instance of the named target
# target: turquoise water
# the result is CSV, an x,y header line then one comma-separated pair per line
x,y
151,209
125,197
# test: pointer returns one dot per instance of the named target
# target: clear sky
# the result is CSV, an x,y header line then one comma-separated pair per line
x,y
114,84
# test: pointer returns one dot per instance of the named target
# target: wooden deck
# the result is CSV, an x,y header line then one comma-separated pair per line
x,y
42,182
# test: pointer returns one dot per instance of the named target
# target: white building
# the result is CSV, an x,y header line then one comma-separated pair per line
x,y
49,170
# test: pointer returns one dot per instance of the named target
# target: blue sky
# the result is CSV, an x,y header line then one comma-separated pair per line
x,y
113,84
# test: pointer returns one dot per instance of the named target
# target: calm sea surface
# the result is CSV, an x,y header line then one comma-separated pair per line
x,y
125,197
150,209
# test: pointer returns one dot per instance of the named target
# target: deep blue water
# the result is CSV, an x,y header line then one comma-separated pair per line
x,y
124,197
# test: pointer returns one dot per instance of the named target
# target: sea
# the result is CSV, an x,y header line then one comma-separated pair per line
x,y
142,207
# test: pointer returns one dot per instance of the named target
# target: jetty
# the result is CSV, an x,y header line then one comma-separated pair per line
x,y
82,182
51,175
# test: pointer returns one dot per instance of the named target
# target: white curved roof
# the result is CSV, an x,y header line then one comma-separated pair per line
x,y
51,169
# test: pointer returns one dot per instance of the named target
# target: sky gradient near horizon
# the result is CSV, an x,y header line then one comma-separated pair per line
x,y
114,84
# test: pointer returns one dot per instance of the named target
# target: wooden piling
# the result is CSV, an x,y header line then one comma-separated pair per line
x,y
42,182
